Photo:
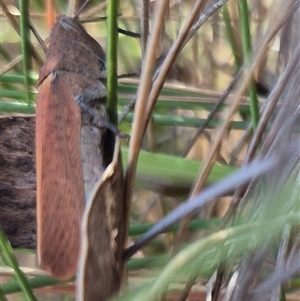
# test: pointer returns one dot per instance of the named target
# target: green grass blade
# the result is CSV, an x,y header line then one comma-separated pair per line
x,y
194,225
15,107
25,42
7,252
230,36
194,122
40,281
247,52
17,79
170,174
227,244
2,295
112,65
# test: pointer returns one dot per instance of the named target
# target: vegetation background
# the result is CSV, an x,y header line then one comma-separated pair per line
x,y
230,78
